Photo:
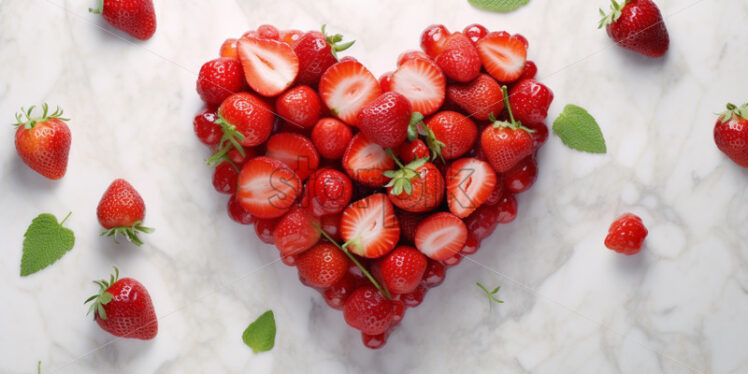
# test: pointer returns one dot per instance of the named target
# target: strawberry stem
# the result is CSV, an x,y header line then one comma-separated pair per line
x,y
25,118
99,7
397,161
230,139
382,288
102,297
505,92
66,218
334,42
129,232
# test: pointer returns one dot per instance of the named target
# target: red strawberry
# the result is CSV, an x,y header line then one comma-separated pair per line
x,y
317,51
471,245
121,210
385,81
385,120
369,226
264,229
441,236
224,177
330,223
503,56
346,88
416,187
530,101
539,133
322,265
505,144
206,129
483,221
267,187
521,177
268,32
135,17
402,269
43,143
459,60
637,25
475,32
470,183
295,232
328,191
408,223
413,150
626,234
290,37
433,39
246,120
237,213
331,137
300,106
411,55
507,207
123,308
270,66
338,293
529,71
422,83
228,48
296,151
367,310
731,133
479,98
415,298
366,161
219,79
434,274
453,134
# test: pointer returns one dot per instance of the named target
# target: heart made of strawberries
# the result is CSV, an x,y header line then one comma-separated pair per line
x,y
371,187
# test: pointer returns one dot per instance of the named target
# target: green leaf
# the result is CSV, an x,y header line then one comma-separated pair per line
x,y
260,334
45,242
579,130
490,294
498,5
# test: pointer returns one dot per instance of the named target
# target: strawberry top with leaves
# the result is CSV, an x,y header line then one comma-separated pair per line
x,y
731,133
637,25
135,17
43,143
121,210
245,120
317,51
415,187
506,143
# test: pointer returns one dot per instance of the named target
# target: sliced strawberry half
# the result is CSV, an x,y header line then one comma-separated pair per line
x,y
366,162
470,182
369,226
267,187
441,236
422,83
503,56
269,66
346,88
296,151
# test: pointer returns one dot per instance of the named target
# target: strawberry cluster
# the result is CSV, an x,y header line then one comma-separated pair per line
x,y
371,187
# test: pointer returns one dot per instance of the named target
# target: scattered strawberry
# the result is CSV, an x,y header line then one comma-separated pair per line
x,y
402,269
369,226
267,187
328,191
43,143
455,132
296,151
626,234
530,101
504,143
317,51
433,40
459,60
206,129
416,187
228,48
421,82
440,236
246,120
521,177
346,88
637,25
366,161
300,106
731,133
529,71
410,151
224,177
331,137
269,65
503,56
239,214
135,17
470,183
475,32
479,98
123,308
295,232
268,32
368,311
385,120
121,210
411,55
219,79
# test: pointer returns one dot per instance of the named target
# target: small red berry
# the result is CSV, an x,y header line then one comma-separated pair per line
x,y
475,32
219,79
521,177
239,214
206,129
626,234
225,177
434,274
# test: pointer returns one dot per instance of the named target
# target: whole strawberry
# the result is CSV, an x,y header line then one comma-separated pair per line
x,y
219,79
530,101
637,25
626,234
43,143
121,211
367,310
385,120
505,144
135,17
731,133
317,51
415,187
123,308
402,269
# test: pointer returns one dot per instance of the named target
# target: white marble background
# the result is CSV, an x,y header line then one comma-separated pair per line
x,y
571,306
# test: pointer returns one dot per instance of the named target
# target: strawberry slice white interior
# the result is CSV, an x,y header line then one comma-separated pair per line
x,y
346,88
470,183
441,236
269,66
371,226
267,187
422,83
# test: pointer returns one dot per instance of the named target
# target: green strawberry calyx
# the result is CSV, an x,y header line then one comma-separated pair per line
x,y
26,119
418,128
231,139
614,15
512,124
336,42
734,110
99,7
401,179
130,232
103,297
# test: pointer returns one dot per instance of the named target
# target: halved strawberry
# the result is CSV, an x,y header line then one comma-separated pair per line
x,y
369,226
470,182
267,187
422,83
366,161
441,236
296,151
270,66
503,56
346,88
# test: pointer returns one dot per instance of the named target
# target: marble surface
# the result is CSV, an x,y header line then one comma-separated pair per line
x,y
571,306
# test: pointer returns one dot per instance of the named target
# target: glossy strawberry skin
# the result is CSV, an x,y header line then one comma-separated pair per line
x,y
336,295
45,147
475,32
505,147
315,56
250,115
130,314
322,265
219,79
410,151
402,269
264,228
237,213
457,131
268,32
120,206
135,17
626,235
300,106
434,274
368,311
483,221
331,137
206,129
295,232
385,120
640,28
731,137
479,98
228,48
522,176
530,101
529,72
460,60
427,193
433,39
294,150
225,176
328,191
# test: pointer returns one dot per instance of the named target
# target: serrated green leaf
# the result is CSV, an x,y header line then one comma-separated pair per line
x,y
45,242
579,130
498,5
260,334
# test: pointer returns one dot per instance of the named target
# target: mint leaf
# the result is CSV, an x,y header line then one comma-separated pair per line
x,y
45,242
579,130
260,334
498,5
